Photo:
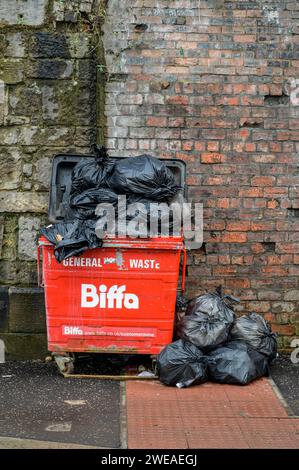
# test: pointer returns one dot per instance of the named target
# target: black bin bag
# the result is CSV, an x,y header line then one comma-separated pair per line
x,y
71,238
208,320
254,330
91,174
236,363
181,364
84,205
144,175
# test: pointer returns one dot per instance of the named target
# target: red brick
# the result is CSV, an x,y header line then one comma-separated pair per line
x,y
213,146
287,248
222,203
257,248
287,330
224,259
187,145
262,226
216,180
274,271
176,122
212,158
157,121
181,100
240,225
237,283
272,204
263,181
250,147
224,270
244,38
234,237
251,192
199,146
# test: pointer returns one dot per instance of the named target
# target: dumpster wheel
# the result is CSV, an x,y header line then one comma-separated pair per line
x,y
65,364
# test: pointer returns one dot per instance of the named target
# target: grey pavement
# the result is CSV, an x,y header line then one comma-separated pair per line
x,y
40,408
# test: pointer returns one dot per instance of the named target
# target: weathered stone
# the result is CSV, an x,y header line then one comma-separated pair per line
x,y
27,169
283,307
17,120
9,135
70,12
11,71
58,10
3,309
31,302
31,12
72,104
26,273
19,347
28,230
50,69
1,234
292,295
49,45
9,248
85,136
23,202
25,101
15,45
10,168
87,70
51,135
79,45
42,173
3,44
3,102
8,274
50,104
70,17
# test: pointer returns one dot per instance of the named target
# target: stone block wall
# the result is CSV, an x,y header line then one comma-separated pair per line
x,y
48,56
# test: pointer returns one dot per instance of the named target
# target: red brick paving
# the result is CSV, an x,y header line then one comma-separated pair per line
x,y
208,416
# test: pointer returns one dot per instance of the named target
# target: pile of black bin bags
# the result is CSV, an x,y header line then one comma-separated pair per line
x,y
143,179
215,345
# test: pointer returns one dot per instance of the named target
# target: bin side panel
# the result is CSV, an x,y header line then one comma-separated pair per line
x,y
111,299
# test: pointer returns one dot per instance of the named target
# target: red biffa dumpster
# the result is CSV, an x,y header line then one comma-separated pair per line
x,y
119,298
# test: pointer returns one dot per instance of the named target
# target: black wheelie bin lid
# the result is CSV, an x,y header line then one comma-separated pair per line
x,y
62,167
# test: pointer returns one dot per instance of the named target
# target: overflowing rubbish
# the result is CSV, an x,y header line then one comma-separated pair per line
x,y
143,175
236,363
84,204
149,188
207,321
234,351
71,238
91,174
181,364
254,330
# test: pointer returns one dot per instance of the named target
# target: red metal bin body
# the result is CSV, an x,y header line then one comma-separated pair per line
x,y
119,298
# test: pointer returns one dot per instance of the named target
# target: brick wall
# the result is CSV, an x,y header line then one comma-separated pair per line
x,y
214,83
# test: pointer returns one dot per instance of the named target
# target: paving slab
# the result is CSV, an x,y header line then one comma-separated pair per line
x,y
208,416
